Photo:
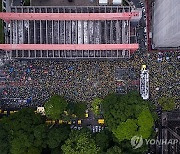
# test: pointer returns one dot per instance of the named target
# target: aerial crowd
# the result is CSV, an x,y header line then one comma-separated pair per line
x,y
31,83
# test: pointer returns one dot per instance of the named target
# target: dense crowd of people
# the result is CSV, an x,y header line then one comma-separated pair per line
x,y
38,80
164,77
31,83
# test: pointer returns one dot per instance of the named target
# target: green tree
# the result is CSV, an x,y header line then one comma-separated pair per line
x,y
126,148
80,142
34,150
152,109
103,140
40,135
55,107
119,108
95,106
114,150
56,136
80,109
167,103
70,107
4,140
57,150
26,131
145,123
126,116
126,130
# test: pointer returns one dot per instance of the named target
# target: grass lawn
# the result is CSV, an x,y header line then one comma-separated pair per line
x,y
1,26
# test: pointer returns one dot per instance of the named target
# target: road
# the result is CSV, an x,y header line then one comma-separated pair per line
x,y
140,29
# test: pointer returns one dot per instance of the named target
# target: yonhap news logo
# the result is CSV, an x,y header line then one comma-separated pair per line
x,y
137,142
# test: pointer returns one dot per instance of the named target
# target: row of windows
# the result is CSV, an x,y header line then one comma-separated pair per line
x,y
4,6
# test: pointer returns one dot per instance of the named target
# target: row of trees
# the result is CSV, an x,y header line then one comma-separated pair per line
x,y
58,108
25,132
125,116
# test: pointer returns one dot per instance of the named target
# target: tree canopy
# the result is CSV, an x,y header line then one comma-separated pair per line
x,y
127,148
55,107
126,130
26,131
127,115
56,136
145,123
103,140
80,109
167,103
95,106
114,150
118,108
4,140
80,142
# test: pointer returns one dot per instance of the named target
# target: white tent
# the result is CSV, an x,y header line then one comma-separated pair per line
x,y
41,110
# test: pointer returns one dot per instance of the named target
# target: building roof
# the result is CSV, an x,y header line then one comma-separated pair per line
x,y
166,21
70,32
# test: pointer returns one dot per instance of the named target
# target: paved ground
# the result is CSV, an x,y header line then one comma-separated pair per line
x,y
16,2
64,3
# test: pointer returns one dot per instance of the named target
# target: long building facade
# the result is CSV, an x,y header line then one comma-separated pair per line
x,y
166,21
70,32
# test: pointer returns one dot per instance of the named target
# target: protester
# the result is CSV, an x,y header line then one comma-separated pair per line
x,y
31,83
